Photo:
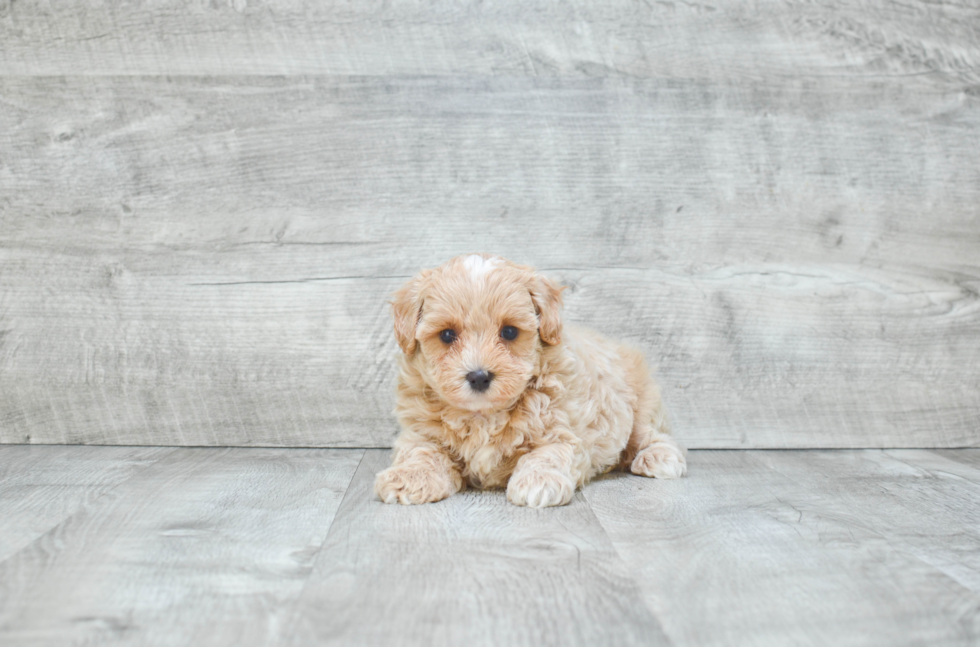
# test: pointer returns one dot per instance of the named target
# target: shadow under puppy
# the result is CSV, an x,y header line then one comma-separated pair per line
x,y
494,392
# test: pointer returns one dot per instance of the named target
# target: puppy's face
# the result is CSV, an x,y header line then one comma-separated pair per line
x,y
475,326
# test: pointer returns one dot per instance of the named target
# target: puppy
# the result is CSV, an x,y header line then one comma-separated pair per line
x,y
493,391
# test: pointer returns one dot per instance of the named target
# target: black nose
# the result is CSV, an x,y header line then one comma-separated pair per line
x,y
479,380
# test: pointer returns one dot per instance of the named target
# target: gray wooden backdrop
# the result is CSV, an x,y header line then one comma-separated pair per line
x,y
203,206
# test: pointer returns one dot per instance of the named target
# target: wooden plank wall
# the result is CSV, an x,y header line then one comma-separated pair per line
x,y
204,205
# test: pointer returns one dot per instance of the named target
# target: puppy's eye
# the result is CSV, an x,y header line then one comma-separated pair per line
x,y
448,336
509,333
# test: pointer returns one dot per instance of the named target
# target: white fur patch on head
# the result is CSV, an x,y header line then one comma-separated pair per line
x,y
478,266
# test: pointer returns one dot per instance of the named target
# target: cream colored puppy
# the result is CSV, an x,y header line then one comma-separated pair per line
x,y
495,393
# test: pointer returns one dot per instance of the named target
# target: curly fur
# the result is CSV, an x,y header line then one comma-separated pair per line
x,y
564,405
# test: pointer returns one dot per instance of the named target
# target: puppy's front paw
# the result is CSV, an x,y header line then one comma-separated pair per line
x,y
540,488
409,484
662,460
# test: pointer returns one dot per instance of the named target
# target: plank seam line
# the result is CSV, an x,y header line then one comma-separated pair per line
x,y
630,572
91,504
311,279
294,611
936,450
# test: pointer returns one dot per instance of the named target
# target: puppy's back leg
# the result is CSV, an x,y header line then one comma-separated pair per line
x,y
651,450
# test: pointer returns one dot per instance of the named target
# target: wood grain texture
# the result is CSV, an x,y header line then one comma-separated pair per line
x,y
969,457
785,39
255,546
206,546
42,486
844,548
921,503
471,570
205,261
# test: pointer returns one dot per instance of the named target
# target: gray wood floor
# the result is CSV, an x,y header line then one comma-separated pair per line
x,y
194,546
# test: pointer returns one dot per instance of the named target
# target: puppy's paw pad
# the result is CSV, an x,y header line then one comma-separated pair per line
x,y
411,485
540,488
660,460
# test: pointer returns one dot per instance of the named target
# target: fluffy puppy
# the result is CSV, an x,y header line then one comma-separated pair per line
x,y
493,391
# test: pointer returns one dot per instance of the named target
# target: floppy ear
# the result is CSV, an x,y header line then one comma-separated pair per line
x,y
406,310
546,296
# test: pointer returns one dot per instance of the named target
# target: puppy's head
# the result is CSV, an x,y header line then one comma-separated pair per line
x,y
475,326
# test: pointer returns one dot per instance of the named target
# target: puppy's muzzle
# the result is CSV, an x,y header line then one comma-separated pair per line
x,y
479,380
